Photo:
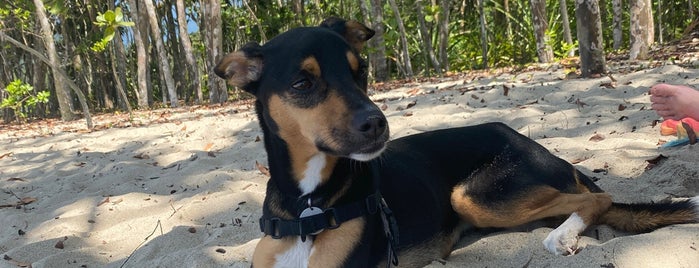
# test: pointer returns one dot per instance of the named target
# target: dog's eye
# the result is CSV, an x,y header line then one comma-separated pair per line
x,y
302,84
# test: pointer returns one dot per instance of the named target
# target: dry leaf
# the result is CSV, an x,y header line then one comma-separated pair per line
x,y
103,201
597,137
655,161
408,114
208,147
16,179
3,156
410,104
413,91
27,200
622,107
59,245
141,156
262,169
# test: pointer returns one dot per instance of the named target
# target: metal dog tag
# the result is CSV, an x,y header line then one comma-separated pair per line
x,y
310,211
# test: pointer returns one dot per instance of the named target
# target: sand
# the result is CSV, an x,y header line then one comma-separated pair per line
x,y
181,187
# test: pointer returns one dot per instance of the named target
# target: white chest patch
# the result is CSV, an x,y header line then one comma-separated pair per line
x,y
297,256
311,177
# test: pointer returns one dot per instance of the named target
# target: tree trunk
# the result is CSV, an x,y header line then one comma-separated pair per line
x,y
617,23
378,56
589,26
443,27
119,71
660,21
566,26
188,52
211,9
162,53
425,36
65,101
144,99
641,35
484,34
543,49
403,40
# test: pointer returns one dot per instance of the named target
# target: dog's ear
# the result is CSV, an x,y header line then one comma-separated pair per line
x,y
242,67
354,32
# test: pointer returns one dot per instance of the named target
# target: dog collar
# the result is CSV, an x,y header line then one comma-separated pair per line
x,y
329,218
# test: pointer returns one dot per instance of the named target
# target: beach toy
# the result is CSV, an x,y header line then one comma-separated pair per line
x,y
686,130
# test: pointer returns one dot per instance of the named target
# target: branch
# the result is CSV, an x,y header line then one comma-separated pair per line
x,y
56,69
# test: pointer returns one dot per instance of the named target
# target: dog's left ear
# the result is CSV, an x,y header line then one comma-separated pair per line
x,y
242,67
354,32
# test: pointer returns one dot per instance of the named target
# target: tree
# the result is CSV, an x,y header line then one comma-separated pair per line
x,y
405,54
378,54
617,21
65,101
425,37
589,25
641,35
541,26
484,33
193,69
566,25
443,27
211,19
165,70
142,92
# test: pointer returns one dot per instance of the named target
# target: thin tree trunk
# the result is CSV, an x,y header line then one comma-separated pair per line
x,y
144,99
425,36
57,71
660,21
566,26
589,26
65,102
211,9
403,40
443,27
617,23
162,53
641,36
539,20
188,51
484,34
119,79
378,56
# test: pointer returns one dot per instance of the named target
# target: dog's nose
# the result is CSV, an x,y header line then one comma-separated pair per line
x,y
369,122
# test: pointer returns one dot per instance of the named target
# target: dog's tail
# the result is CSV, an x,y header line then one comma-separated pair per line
x,y
639,218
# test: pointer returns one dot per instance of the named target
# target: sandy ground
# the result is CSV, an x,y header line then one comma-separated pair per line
x,y
183,189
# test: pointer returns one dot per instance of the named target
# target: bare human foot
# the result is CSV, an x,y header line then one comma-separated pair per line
x,y
675,101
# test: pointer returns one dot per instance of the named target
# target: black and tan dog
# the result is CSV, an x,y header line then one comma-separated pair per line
x,y
332,167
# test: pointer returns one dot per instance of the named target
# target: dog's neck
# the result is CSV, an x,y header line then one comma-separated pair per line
x,y
297,169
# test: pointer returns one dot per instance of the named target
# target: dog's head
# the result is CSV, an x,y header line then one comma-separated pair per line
x,y
311,87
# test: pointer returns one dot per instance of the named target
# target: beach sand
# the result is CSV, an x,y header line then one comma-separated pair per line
x,y
182,188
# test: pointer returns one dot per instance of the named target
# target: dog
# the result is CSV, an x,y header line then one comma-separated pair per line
x,y
342,195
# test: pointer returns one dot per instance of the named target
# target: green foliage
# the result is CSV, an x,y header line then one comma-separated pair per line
x,y
111,21
20,98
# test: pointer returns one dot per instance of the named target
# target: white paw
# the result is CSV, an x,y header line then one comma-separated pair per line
x,y
562,242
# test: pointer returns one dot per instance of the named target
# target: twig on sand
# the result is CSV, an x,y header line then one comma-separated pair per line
x,y
144,241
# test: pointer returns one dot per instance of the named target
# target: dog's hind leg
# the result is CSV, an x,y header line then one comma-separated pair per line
x,y
531,205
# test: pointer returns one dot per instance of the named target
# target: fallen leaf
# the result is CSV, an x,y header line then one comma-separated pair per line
x,y
3,156
27,200
16,179
59,244
192,230
622,107
410,104
413,91
208,147
220,250
506,90
408,114
655,161
141,156
103,201
262,169
597,137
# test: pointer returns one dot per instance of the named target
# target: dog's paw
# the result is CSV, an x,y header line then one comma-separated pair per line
x,y
562,242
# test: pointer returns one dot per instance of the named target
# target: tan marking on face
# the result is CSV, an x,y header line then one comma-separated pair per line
x,y
332,247
301,128
268,248
311,65
353,61
538,204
